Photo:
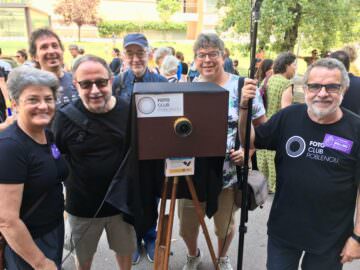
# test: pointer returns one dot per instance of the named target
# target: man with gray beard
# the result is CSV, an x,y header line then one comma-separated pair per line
x,y
317,163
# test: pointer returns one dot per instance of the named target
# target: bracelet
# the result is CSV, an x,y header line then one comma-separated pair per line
x,y
355,237
243,107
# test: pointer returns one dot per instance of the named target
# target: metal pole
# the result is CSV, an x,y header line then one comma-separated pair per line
x,y
244,181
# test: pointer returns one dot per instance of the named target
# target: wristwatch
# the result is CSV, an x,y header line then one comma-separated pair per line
x,y
355,237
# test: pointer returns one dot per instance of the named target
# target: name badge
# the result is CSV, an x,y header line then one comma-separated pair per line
x,y
338,143
55,152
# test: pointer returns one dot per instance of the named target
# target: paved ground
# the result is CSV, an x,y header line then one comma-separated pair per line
x,y
254,256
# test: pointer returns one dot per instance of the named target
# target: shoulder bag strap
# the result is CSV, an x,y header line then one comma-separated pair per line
x,y
81,120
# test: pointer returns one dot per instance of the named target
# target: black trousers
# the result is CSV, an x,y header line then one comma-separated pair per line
x,y
51,244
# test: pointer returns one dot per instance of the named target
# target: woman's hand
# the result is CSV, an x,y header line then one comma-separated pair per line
x,y
47,264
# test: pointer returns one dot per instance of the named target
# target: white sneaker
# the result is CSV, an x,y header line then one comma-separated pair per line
x,y
224,263
192,262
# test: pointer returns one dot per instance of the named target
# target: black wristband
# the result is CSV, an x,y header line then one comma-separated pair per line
x,y
243,107
355,237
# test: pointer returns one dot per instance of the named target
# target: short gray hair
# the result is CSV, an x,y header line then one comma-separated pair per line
x,y
161,53
169,65
91,58
329,63
208,40
22,77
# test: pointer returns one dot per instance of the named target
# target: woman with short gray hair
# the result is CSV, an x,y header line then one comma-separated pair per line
x,y
169,68
159,55
31,175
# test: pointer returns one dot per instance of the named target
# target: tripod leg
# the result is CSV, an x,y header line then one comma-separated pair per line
x,y
170,223
200,215
159,244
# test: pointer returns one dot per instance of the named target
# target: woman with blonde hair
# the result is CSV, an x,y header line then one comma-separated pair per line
x,y
351,51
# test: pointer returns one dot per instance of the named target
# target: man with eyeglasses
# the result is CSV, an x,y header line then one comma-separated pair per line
x,y
47,51
136,56
94,156
209,52
318,172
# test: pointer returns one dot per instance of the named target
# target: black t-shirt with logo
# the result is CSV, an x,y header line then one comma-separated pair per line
x,y
24,161
318,171
93,160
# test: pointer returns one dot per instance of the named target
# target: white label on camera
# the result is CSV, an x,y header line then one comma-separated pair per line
x,y
179,166
162,105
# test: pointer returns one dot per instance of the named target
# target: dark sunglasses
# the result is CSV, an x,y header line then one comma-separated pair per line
x,y
88,84
330,88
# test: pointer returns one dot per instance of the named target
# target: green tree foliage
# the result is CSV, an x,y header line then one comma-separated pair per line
x,y
79,12
167,8
318,23
107,28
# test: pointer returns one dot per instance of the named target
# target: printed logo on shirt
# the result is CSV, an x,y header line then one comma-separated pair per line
x,y
296,146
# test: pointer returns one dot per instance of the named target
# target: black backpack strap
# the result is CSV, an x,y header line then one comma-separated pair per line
x,y
82,121
121,85
72,113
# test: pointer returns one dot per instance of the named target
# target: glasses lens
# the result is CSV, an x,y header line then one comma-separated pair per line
x,y
101,83
333,88
314,87
213,55
86,84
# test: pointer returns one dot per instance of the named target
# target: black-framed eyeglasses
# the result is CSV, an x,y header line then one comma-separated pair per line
x,y
330,88
212,55
88,84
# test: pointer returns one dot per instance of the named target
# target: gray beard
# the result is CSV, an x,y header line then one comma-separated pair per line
x,y
323,113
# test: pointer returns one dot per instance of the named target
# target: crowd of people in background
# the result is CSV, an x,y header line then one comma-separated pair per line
x,y
59,123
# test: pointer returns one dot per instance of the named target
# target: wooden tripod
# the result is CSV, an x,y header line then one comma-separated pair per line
x,y
163,239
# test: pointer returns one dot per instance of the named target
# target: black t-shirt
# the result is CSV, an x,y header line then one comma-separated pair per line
x,y
2,99
93,160
24,161
67,91
318,171
115,65
351,99
185,68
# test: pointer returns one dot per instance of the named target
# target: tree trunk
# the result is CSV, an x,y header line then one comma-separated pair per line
x,y
291,33
79,26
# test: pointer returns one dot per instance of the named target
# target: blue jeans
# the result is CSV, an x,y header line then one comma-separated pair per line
x,y
282,257
51,244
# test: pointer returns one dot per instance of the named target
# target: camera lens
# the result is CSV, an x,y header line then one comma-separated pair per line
x,y
182,127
